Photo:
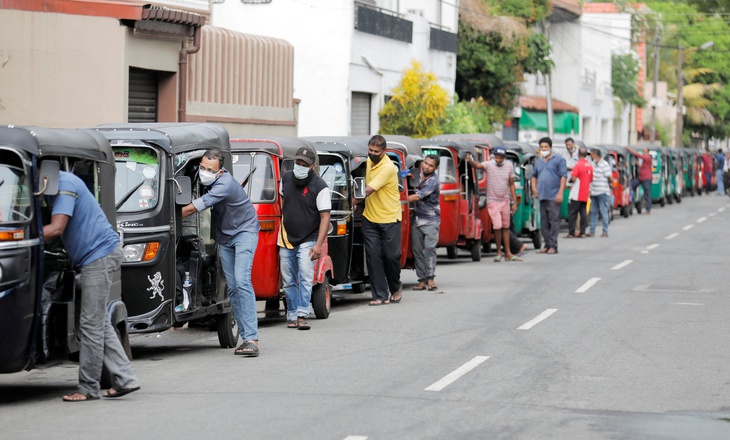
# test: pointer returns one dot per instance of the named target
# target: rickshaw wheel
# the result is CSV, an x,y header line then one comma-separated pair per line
x,y
227,330
639,206
451,252
358,287
678,198
662,202
536,239
476,250
625,211
322,298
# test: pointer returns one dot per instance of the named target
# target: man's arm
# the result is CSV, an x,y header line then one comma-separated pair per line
x,y
632,151
533,185
324,224
473,163
559,198
56,227
513,193
188,210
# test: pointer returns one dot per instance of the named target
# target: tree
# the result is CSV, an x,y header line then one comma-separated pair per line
x,y
624,78
418,105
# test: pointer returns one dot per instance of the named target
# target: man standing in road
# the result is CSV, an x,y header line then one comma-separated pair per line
x,y
95,251
305,220
581,178
719,176
548,183
425,227
381,226
501,198
707,164
600,192
570,154
237,234
644,177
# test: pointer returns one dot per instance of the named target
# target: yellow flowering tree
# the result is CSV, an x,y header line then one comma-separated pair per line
x,y
418,105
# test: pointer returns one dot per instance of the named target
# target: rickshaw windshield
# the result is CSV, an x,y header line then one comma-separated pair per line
x,y
332,171
447,168
256,171
14,191
137,179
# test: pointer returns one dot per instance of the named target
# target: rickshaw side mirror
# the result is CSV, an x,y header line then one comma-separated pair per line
x,y
183,190
48,177
359,188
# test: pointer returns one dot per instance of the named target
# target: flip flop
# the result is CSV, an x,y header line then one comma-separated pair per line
x,y
378,302
498,259
248,349
292,324
119,392
87,397
420,287
434,287
303,324
515,258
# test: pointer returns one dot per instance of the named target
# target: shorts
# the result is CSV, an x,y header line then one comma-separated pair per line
x,y
499,212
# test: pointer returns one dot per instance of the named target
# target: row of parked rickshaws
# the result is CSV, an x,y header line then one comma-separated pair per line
x,y
143,174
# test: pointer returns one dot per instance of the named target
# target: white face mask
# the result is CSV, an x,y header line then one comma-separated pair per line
x,y
545,153
300,172
207,178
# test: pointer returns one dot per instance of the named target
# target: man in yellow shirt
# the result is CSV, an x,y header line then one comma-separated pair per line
x,y
381,228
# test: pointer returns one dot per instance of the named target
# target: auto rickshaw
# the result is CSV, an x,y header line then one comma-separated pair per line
x,y
156,163
676,172
527,216
460,226
658,176
688,171
618,158
259,163
633,167
669,175
39,294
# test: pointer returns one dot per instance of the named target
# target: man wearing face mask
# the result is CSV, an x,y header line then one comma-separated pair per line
x,y
548,183
500,195
381,226
237,234
305,221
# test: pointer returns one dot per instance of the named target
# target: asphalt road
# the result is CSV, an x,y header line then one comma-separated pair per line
x,y
625,337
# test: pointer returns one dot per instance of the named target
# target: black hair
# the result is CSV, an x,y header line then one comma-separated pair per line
x,y
215,154
546,140
569,139
434,158
377,141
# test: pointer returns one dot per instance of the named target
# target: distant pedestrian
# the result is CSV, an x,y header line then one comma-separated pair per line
x,y
306,206
548,182
581,178
426,222
600,192
644,177
501,196
707,169
381,225
719,175
570,154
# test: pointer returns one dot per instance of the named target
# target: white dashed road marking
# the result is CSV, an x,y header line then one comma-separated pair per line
x,y
652,246
644,252
688,304
536,320
688,227
356,437
701,219
584,288
671,236
721,209
454,375
712,214
622,264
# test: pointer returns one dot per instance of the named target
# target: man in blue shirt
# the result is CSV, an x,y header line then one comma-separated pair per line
x,y
425,225
548,183
95,251
237,234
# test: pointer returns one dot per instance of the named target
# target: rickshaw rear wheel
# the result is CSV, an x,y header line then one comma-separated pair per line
x,y
322,298
678,198
476,250
227,330
358,287
451,252
536,239
625,211
662,202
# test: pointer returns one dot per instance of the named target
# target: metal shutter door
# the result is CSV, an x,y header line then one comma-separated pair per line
x,y
360,114
142,95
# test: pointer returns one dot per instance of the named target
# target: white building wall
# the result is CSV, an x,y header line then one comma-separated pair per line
x,y
332,59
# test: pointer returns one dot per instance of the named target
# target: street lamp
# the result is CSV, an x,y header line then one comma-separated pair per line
x,y
680,95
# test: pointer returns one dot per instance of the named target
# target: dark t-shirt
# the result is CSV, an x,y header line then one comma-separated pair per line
x,y
302,206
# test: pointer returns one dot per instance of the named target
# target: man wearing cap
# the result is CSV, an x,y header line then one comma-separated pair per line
x,y
501,196
305,220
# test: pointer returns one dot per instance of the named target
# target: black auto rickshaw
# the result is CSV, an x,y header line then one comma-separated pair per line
x,y
156,164
39,296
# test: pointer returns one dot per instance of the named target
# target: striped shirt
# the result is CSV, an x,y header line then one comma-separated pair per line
x,y
601,173
498,180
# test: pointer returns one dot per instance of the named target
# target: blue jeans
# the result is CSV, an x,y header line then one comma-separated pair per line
x,y
720,183
98,340
236,261
297,274
646,184
601,202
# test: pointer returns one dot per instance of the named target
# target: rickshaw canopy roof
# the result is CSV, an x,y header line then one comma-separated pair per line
x,y
41,141
617,148
172,137
406,144
282,146
459,145
491,139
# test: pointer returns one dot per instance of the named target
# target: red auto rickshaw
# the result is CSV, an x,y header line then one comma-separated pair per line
x,y
461,226
259,164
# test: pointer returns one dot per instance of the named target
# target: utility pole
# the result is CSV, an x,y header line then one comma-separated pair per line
x,y
680,98
656,79
548,92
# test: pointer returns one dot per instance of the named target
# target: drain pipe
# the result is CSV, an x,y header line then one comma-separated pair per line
x,y
183,72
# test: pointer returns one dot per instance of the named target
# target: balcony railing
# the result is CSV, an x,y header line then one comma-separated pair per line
x,y
382,22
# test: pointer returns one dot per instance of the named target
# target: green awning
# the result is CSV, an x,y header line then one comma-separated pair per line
x,y
563,122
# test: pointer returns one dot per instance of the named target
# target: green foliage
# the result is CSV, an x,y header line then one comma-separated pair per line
x,y
531,11
418,105
664,131
471,117
624,78
538,55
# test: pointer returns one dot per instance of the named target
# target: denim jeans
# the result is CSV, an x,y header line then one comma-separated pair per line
x,y
297,274
424,240
98,340
382,251
237,260
599,202
720,183
646,184
550,223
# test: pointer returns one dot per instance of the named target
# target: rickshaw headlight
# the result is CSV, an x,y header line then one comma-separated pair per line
x,y
341,227
330,229
141,251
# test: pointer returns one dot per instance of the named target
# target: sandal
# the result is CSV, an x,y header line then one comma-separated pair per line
x,y
303,324
433,287
292,324
420,286
79,397
378,302
113,392
248,349
498,258
399,294
514,258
